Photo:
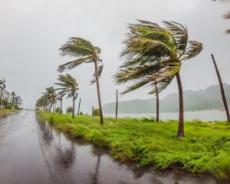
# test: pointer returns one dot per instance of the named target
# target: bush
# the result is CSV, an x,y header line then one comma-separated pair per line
x,y
58,110
69,110
96,112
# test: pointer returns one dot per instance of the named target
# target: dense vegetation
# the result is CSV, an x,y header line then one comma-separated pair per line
x,y
8,100
5,112
205,149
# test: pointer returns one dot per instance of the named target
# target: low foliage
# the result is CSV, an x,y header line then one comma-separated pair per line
x,y
5,112
205,149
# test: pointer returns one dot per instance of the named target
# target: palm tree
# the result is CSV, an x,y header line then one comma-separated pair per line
x,y
60,96
68,86
13,95
18,102
85,52
42,103
157,103
221,88
154,55
50,96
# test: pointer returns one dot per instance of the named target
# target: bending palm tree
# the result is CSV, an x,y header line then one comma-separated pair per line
x,y
85,52
154,56
68,86
50,95
42,103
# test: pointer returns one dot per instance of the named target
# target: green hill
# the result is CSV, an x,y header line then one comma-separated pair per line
x,y
205,99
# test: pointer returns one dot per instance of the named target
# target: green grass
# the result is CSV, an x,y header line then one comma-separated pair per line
x,y
205,149
5,112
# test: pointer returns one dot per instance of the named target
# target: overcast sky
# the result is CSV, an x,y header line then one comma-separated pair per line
x,y
32,31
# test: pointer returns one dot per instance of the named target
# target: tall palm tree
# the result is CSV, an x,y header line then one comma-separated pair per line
x,y
68,86
85,52
157,103
154,55
221,88
60,96
13,95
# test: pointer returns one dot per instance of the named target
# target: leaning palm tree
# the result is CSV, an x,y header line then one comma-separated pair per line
x,y
221,88
50,95
42,103
68,86
85,52
154,55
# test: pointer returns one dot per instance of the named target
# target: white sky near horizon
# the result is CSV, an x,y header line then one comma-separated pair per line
x,y
31,32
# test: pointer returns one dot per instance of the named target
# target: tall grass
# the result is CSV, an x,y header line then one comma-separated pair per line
x,y
5,112
205,149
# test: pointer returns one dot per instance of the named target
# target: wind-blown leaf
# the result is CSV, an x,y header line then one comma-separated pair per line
x,y
70,65
193,49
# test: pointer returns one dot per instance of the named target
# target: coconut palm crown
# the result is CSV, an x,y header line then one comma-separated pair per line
x,y
68,86
154,55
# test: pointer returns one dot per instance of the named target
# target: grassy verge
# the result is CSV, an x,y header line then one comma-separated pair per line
x,y
205,149
5,112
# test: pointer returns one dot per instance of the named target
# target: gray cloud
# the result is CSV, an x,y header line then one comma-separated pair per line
x,y
32,31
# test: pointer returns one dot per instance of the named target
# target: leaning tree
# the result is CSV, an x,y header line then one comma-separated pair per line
x,y
68,86
84,52
154,55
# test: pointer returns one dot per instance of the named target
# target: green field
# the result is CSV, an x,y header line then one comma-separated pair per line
x,y
205,148
5,112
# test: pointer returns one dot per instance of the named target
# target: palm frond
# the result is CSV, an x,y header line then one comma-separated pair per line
x,y
77,47
135,86
179,32
194,48
99,72
70,65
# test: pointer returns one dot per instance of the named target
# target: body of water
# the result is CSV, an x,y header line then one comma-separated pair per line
x,y
208,115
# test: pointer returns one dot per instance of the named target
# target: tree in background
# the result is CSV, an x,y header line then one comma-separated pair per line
x,y
154,55
221,88
60,96
50,95
2,90
68,86
85,52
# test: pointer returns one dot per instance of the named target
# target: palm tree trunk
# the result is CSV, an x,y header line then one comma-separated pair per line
x,y
221,88
157,104
116,115
180,132
98,93
92,110
1,91
79,106
73,111
61,104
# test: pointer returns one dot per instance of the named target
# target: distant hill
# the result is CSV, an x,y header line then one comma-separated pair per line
x,y
205,99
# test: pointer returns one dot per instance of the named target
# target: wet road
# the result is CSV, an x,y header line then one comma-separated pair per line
x,y
34,153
